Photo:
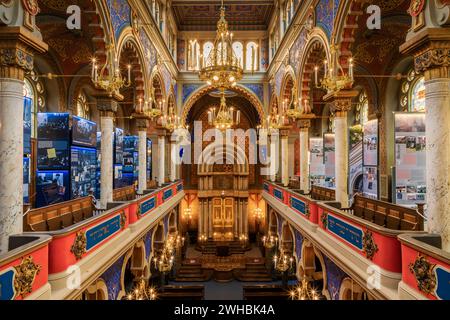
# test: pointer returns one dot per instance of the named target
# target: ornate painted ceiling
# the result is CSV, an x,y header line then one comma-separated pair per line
x,y
202,15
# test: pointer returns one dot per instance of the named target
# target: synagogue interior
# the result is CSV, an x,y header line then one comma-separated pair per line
x,y
224,150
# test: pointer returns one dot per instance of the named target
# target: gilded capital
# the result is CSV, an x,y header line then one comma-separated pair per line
x,y
304,124
141,121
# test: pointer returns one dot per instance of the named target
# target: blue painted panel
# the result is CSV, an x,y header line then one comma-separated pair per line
x,y
179,187
298,205
351,234
7,291
167,194
148,205
266,187
278,194
101,232
443,283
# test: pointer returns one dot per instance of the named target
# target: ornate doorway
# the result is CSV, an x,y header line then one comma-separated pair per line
x,y
223,217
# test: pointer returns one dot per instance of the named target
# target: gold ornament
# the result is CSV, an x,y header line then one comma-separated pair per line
x,y
79,245
25,274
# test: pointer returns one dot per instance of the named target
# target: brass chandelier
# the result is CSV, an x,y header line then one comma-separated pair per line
x,y
221,69
150,108
225,117
270,241
142,291
335,79
283,261
304,291
110,77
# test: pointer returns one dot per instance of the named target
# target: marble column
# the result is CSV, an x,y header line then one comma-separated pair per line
x,y
341,104
274,158
107,110
292,170
429,43
285,157
161,159
304,159
154,139
17,48
173,161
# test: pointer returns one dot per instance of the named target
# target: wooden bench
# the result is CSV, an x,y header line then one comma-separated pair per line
x,y
265,292
185,292
124,194
151,184
58,216
322,193
387,214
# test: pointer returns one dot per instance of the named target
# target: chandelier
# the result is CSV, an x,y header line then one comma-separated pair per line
x,y
110,77
270,241
275,120
304,291
258,213
165,261
225,117
283,261
149,108
221,69
187,213
142,291
170,121
335,79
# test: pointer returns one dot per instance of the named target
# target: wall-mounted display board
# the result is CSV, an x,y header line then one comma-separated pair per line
x,y
53,141
83,171
27,127
355,159
329,159
316,162
26,180
149,159
84,132
99,159
370,159
410,158
130,146
118,146
52,187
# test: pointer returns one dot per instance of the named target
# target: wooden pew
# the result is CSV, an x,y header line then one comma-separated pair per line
x,y
322,193
58,216
387,214
127,193
265,292
184,292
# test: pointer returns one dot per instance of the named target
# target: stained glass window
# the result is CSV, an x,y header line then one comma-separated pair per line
x,y
251,59
417,102
238,49
82,106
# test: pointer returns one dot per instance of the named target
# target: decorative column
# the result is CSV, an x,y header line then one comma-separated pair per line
x,y
142,124
161,159
304,126
173,161
341,104
17,48
154,139
431,50
107,108
274,155
284,157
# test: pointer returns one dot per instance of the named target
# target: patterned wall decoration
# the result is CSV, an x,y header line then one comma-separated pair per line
x,y
279,79
334,278
257,89
120,15
149,51
112,278
298,244
188,89
148,243
265,54
181,47
297,50
325,13
167,78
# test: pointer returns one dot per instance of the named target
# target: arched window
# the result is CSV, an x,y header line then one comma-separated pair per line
x,y
238,49
251,59
207,48
33,89
362,109
82,106
412,98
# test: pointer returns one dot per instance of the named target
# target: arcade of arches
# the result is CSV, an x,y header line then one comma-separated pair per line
x,y
332,182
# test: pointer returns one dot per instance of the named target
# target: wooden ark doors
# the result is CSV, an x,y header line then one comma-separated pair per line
x,y
223,218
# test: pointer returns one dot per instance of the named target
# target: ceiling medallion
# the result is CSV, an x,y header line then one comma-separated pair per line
x,y
369,245
423,271
25,274
79,245
31,6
